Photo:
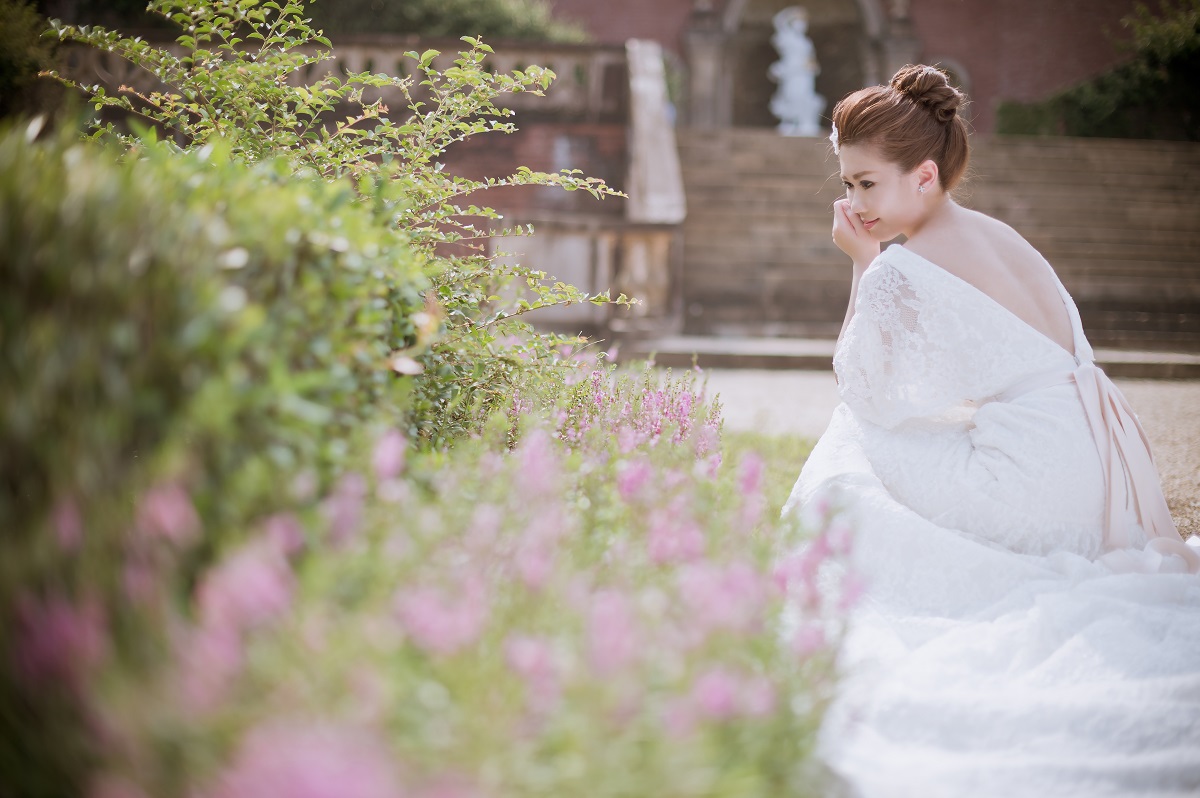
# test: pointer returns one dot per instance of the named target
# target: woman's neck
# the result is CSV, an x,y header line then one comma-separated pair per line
x,y
941,211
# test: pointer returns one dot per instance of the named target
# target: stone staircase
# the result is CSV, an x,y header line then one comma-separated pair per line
x,y
1120,221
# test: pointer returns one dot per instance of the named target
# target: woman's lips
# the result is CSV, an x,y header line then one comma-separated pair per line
x,y
870,224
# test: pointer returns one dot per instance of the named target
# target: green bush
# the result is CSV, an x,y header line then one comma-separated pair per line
x,y
185,321
232,82
1152,96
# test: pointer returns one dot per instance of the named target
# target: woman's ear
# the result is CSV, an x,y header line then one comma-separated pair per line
x,y
927,174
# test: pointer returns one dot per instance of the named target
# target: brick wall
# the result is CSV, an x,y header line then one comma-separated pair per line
x,y
1020,49
614,21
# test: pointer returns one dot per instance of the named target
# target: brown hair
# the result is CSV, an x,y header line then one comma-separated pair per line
x,y
913,119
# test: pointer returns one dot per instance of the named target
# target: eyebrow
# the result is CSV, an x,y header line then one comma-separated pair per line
x,y
860,174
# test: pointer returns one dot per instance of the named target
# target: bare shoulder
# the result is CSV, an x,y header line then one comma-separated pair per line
x,y
979,249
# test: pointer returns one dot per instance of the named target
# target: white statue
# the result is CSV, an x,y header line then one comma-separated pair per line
x,y
796,103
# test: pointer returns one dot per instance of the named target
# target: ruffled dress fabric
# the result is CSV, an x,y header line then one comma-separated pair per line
x,y
1031,624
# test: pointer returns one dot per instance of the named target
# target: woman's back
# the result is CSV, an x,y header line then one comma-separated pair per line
x,y
997,261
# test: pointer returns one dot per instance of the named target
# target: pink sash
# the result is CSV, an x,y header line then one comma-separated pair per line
x,y
1130,477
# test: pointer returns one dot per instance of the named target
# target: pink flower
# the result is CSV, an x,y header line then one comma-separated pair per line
x,y
389,455
729,597
58,642
612,637
716,694
673,537
166,511
632,477
534,561
750,474
533,660
310,761
808,639
344,507
758,697
538,464
442,625
285,533
210,659
248,589
140,580
68,525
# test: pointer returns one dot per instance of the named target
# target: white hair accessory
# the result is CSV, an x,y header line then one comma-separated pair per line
x,y
833,139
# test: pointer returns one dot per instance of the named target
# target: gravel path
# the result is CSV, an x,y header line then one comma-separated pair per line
x,y
801,403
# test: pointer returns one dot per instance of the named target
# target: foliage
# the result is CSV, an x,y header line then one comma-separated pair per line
x,y
228,78
595,611
23,53
510,20
1152,96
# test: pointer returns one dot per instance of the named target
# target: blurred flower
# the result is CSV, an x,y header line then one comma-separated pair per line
x,y
248,589
389,455
612,636
716,694
539,465
68,525
673,537
532,659
808,638
632,477
723,596
439,624
759,697
166,511
57,641
344,507
285,533
750,472
291,760
209,659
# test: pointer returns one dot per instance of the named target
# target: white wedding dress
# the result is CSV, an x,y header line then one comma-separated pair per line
x,y
1031,621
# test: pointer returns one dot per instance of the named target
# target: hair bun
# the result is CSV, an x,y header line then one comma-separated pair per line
x,y
929,86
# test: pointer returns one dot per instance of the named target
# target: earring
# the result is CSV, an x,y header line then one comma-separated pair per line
x,y
920,189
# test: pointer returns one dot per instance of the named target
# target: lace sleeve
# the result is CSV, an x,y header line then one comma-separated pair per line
x,y
891,363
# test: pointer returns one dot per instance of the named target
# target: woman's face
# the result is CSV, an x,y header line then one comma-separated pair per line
x,y
883,197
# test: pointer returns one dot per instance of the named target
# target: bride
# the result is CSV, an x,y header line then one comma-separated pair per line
x,y
1031,625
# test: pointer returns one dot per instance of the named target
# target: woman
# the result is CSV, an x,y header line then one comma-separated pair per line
x,y
1032,619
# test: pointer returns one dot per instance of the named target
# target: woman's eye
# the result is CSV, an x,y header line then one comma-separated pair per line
x,y
847,185
866,184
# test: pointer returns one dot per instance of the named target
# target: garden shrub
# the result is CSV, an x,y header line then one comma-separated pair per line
x,y
596,611
228,78
181,328
234,569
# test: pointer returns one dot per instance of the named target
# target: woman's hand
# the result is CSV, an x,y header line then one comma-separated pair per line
x,y
851,237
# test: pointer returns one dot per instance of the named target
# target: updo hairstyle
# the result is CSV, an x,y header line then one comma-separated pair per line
x,y
915,118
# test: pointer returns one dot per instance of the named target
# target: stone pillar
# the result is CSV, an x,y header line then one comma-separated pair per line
x,y
900,44
705,41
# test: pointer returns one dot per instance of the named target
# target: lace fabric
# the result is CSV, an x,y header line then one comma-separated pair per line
x,y
997,652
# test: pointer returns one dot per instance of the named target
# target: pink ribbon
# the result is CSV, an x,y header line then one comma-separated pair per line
x,y
1131,479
